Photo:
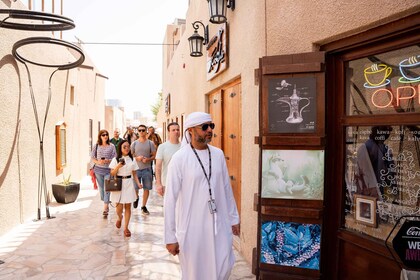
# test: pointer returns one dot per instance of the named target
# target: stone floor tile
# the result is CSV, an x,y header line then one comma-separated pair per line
x,y
80,244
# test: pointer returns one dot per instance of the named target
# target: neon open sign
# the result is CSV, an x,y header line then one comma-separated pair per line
x,y
401,93
377,76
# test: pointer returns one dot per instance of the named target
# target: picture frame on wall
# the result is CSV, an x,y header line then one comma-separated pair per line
x,y
292,105
292,174
365,210
291,244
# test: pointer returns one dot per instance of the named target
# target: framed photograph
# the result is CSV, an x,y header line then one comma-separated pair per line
x,y
365,209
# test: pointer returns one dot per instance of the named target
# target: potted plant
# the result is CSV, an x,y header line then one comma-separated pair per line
x,y
66,191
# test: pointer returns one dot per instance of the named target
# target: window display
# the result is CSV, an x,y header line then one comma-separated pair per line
x,y
382,166
382,162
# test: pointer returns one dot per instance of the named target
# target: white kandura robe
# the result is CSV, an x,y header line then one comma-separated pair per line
x,y
205,240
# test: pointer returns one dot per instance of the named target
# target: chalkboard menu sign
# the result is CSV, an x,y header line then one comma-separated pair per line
x,y
407,244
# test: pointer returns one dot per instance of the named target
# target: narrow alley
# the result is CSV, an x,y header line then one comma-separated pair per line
x,y
79,244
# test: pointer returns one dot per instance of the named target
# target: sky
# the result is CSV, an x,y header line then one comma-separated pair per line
x,y
134,72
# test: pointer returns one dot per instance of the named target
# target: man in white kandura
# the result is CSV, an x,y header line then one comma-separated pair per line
x,y
164,154
200,210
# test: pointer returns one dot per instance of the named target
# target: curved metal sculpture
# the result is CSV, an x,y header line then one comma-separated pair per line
x,y
42,184
58,23
48,40
43,22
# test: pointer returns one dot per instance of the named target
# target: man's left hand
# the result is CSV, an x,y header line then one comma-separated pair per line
x,y
236,229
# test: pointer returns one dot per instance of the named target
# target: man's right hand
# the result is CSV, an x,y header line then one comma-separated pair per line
x,y
173,248
159,189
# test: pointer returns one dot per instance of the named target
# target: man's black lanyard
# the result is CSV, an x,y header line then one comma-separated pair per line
x,y
202,166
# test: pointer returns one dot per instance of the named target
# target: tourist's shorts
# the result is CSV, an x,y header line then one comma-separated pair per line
x,y
145,177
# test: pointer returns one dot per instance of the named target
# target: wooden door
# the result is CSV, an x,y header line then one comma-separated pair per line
x,y
225,109
232,137
215,110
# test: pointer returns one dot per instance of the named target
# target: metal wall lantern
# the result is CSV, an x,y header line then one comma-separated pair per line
x,y
197,41
217,10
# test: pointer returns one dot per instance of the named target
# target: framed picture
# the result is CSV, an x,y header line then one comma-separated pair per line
x,y
365,209
291,244
292,174
292,106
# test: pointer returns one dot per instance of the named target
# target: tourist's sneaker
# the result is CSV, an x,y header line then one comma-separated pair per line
x,y
136,203
144,211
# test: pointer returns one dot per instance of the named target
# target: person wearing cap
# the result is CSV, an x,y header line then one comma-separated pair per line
x,y
200,213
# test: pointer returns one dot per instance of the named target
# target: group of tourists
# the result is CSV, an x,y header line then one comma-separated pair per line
x,y
200,212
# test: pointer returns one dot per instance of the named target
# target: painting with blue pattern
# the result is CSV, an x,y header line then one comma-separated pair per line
x,y
291,244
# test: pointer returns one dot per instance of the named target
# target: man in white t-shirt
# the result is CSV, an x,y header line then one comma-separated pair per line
x,y
164,155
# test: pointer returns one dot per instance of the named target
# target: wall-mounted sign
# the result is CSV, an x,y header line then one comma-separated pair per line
x,y
407,244
168,104
217,56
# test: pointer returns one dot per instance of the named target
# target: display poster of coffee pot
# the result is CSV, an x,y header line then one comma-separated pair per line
x,y
292,105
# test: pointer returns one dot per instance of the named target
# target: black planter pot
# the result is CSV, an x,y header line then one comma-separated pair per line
x,y
66,193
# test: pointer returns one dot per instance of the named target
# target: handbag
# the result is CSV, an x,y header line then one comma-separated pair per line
x,y
93,178
113,184
92,170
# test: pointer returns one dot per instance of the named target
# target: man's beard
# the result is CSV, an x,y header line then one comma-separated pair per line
x,y
203,140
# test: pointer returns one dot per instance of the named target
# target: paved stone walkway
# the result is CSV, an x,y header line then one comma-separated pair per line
x,y
79,244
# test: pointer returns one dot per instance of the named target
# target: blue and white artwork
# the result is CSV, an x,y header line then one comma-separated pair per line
x,y
291,244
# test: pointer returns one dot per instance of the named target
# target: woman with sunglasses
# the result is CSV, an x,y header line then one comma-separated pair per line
x,y
101,155
124,167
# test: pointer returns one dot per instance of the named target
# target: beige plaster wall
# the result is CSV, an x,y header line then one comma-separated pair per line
x,y
19,142
114,118
257,29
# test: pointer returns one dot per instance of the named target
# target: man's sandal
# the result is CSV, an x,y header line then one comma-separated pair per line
x,y
127,233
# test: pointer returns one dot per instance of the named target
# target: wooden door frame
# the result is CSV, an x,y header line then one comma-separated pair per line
x,y
379,39
303,211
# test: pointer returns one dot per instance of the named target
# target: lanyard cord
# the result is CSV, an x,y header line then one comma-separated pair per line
x,y
202,166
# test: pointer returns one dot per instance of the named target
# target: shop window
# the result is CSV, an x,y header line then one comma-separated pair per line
x,y
385,83
382,160
72,95
60,147
182,126
164,131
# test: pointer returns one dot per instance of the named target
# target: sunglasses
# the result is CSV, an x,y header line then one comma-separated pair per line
x,y
206,126
104,135
142,130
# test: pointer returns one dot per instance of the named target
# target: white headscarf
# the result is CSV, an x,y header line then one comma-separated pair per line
x,y
193,119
